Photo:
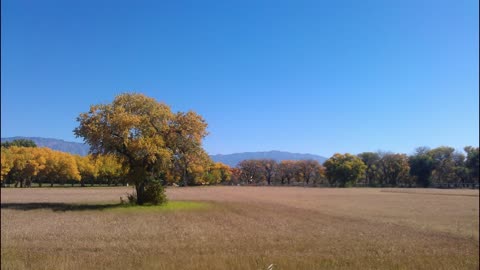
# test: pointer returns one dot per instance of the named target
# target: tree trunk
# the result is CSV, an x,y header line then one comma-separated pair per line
x,y
185,183
140,193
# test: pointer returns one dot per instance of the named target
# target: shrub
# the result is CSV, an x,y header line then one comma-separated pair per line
x,y
153,192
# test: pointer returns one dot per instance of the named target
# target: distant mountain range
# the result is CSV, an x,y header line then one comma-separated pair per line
x,y
230,159
233,159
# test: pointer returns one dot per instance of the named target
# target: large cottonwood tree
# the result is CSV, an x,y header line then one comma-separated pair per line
x,y
144,134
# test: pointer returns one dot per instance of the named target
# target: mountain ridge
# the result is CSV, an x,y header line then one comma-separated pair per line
x,y
277,155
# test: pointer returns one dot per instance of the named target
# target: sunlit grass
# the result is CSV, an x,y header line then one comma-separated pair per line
x,y
166,207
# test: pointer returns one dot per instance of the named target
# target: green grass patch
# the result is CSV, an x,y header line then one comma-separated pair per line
x,y
166,207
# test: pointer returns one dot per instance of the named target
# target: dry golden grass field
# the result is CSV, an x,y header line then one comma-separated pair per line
x,y
241,228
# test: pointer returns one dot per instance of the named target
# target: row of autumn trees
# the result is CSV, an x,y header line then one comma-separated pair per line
x,y
23,164
442,166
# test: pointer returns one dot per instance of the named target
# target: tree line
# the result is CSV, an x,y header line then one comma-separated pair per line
x,y
439,167
24,164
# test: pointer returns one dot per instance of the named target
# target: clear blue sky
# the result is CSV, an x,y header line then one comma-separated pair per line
x,y
302,76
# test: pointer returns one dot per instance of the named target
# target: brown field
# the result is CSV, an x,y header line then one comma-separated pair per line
x,y
242,228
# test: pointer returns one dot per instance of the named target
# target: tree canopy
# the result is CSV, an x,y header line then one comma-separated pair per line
x,y
147,137
344,169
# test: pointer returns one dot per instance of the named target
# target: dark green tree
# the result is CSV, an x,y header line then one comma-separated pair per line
x,y
444,165
421,166
370,159
19,143
394,169
472,163
342,170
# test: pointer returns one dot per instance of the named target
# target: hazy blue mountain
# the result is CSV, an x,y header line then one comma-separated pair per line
x,y
234,159
56,144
